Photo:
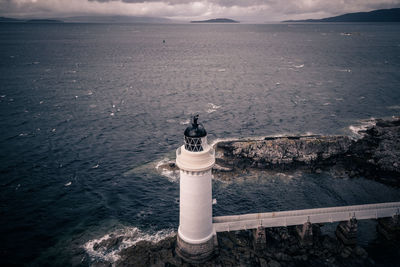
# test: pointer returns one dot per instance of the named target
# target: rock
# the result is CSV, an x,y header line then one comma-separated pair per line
x,y
361,252
273,263
283,152
344,254
109,243
376,155
280,256
263,262
100,264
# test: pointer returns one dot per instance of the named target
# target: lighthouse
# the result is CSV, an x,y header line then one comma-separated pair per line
x,y
195,159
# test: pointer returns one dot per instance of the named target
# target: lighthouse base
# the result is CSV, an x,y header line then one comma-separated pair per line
x,y
195,253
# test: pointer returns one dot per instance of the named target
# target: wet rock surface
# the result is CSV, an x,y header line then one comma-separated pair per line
x,y
376,155
236,249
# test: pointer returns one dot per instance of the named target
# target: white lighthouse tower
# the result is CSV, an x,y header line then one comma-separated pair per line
x,y
195,159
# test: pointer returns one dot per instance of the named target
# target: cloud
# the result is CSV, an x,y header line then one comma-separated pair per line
x,y
248,10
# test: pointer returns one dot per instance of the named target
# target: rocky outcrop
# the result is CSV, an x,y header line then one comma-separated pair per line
x,y
236,249
283,152
376,155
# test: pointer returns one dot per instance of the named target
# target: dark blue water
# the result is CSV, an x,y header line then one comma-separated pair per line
x,y
87,110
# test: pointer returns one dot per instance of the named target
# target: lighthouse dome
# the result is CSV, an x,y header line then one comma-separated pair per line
x,y
195,136
196,129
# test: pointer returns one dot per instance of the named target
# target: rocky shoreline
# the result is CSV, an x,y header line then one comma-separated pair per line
x,y
375,156
283,248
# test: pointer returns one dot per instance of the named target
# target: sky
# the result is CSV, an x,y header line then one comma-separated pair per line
x,y
257,11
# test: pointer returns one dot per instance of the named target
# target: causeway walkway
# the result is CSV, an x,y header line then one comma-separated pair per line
x,y
299,217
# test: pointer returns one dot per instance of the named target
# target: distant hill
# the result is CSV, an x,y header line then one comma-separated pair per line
x,y
91,19
381,15
12,20
44,21
219,20
116,19
3,19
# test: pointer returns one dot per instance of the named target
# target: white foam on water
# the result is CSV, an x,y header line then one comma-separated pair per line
x,y
172,176
171,121
214,142
284,177
185,122
326,104
299,66
162,162
344,70
212,107
130,236
394,107
358,130
221,70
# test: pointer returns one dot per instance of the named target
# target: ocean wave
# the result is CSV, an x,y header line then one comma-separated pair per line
x,y
185,122
212,107
171,175
299,66
344,70
358,130
394,107
109,246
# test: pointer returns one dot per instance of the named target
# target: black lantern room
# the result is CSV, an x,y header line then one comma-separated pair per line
x,y
195,136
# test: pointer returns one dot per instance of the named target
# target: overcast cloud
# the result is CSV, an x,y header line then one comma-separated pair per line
x,y
244,10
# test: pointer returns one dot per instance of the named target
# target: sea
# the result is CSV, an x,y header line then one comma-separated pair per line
x,y
89,112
